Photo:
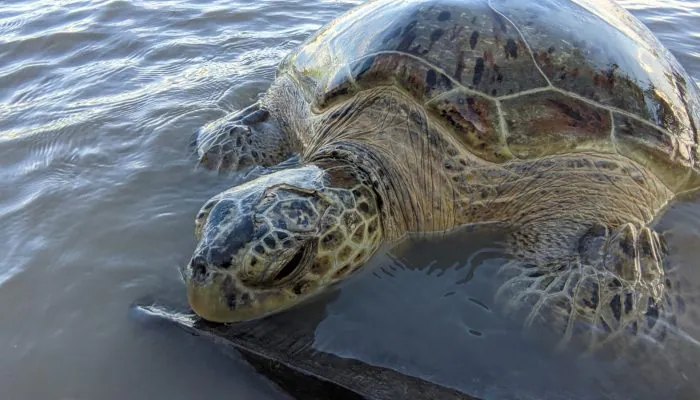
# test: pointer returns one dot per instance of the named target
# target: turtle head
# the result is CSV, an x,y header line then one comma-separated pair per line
x,y
275,241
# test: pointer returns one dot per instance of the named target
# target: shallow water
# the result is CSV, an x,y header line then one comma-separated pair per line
x,y
98,100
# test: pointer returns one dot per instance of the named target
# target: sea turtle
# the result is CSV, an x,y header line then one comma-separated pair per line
x,y
565,121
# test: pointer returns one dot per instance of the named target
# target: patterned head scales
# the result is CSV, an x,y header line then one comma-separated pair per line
x,y
269,244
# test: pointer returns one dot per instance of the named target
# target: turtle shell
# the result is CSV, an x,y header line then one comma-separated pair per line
x,y
516,79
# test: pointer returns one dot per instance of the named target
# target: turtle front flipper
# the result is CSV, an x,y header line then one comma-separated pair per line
x,y
595,286
585,260
242,140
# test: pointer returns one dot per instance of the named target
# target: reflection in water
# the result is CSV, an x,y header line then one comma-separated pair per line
x,y
466,341
98,198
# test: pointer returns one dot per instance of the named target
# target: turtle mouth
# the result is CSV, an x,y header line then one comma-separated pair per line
x,y
216,305
222,297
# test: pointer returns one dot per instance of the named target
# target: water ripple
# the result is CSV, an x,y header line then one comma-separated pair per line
x,y
98,99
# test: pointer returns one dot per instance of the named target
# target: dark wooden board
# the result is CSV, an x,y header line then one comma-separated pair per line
x,y
280,348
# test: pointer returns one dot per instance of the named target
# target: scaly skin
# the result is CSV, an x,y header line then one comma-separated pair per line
x,y
270,243
581,246
461,113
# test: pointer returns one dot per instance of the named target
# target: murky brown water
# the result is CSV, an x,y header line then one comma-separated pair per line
x,y
98,100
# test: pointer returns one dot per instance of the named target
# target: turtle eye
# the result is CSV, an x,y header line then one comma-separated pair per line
x,y
291,265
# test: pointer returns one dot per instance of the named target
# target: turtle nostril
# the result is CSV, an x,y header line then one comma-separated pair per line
x,y
199,268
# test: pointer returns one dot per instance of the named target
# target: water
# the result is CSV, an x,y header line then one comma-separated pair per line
x,y
98,100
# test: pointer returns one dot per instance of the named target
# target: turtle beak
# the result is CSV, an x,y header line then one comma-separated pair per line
x,y
222,298
209,300
214,290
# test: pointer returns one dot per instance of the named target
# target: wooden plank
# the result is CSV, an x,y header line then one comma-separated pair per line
x,y
280,348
